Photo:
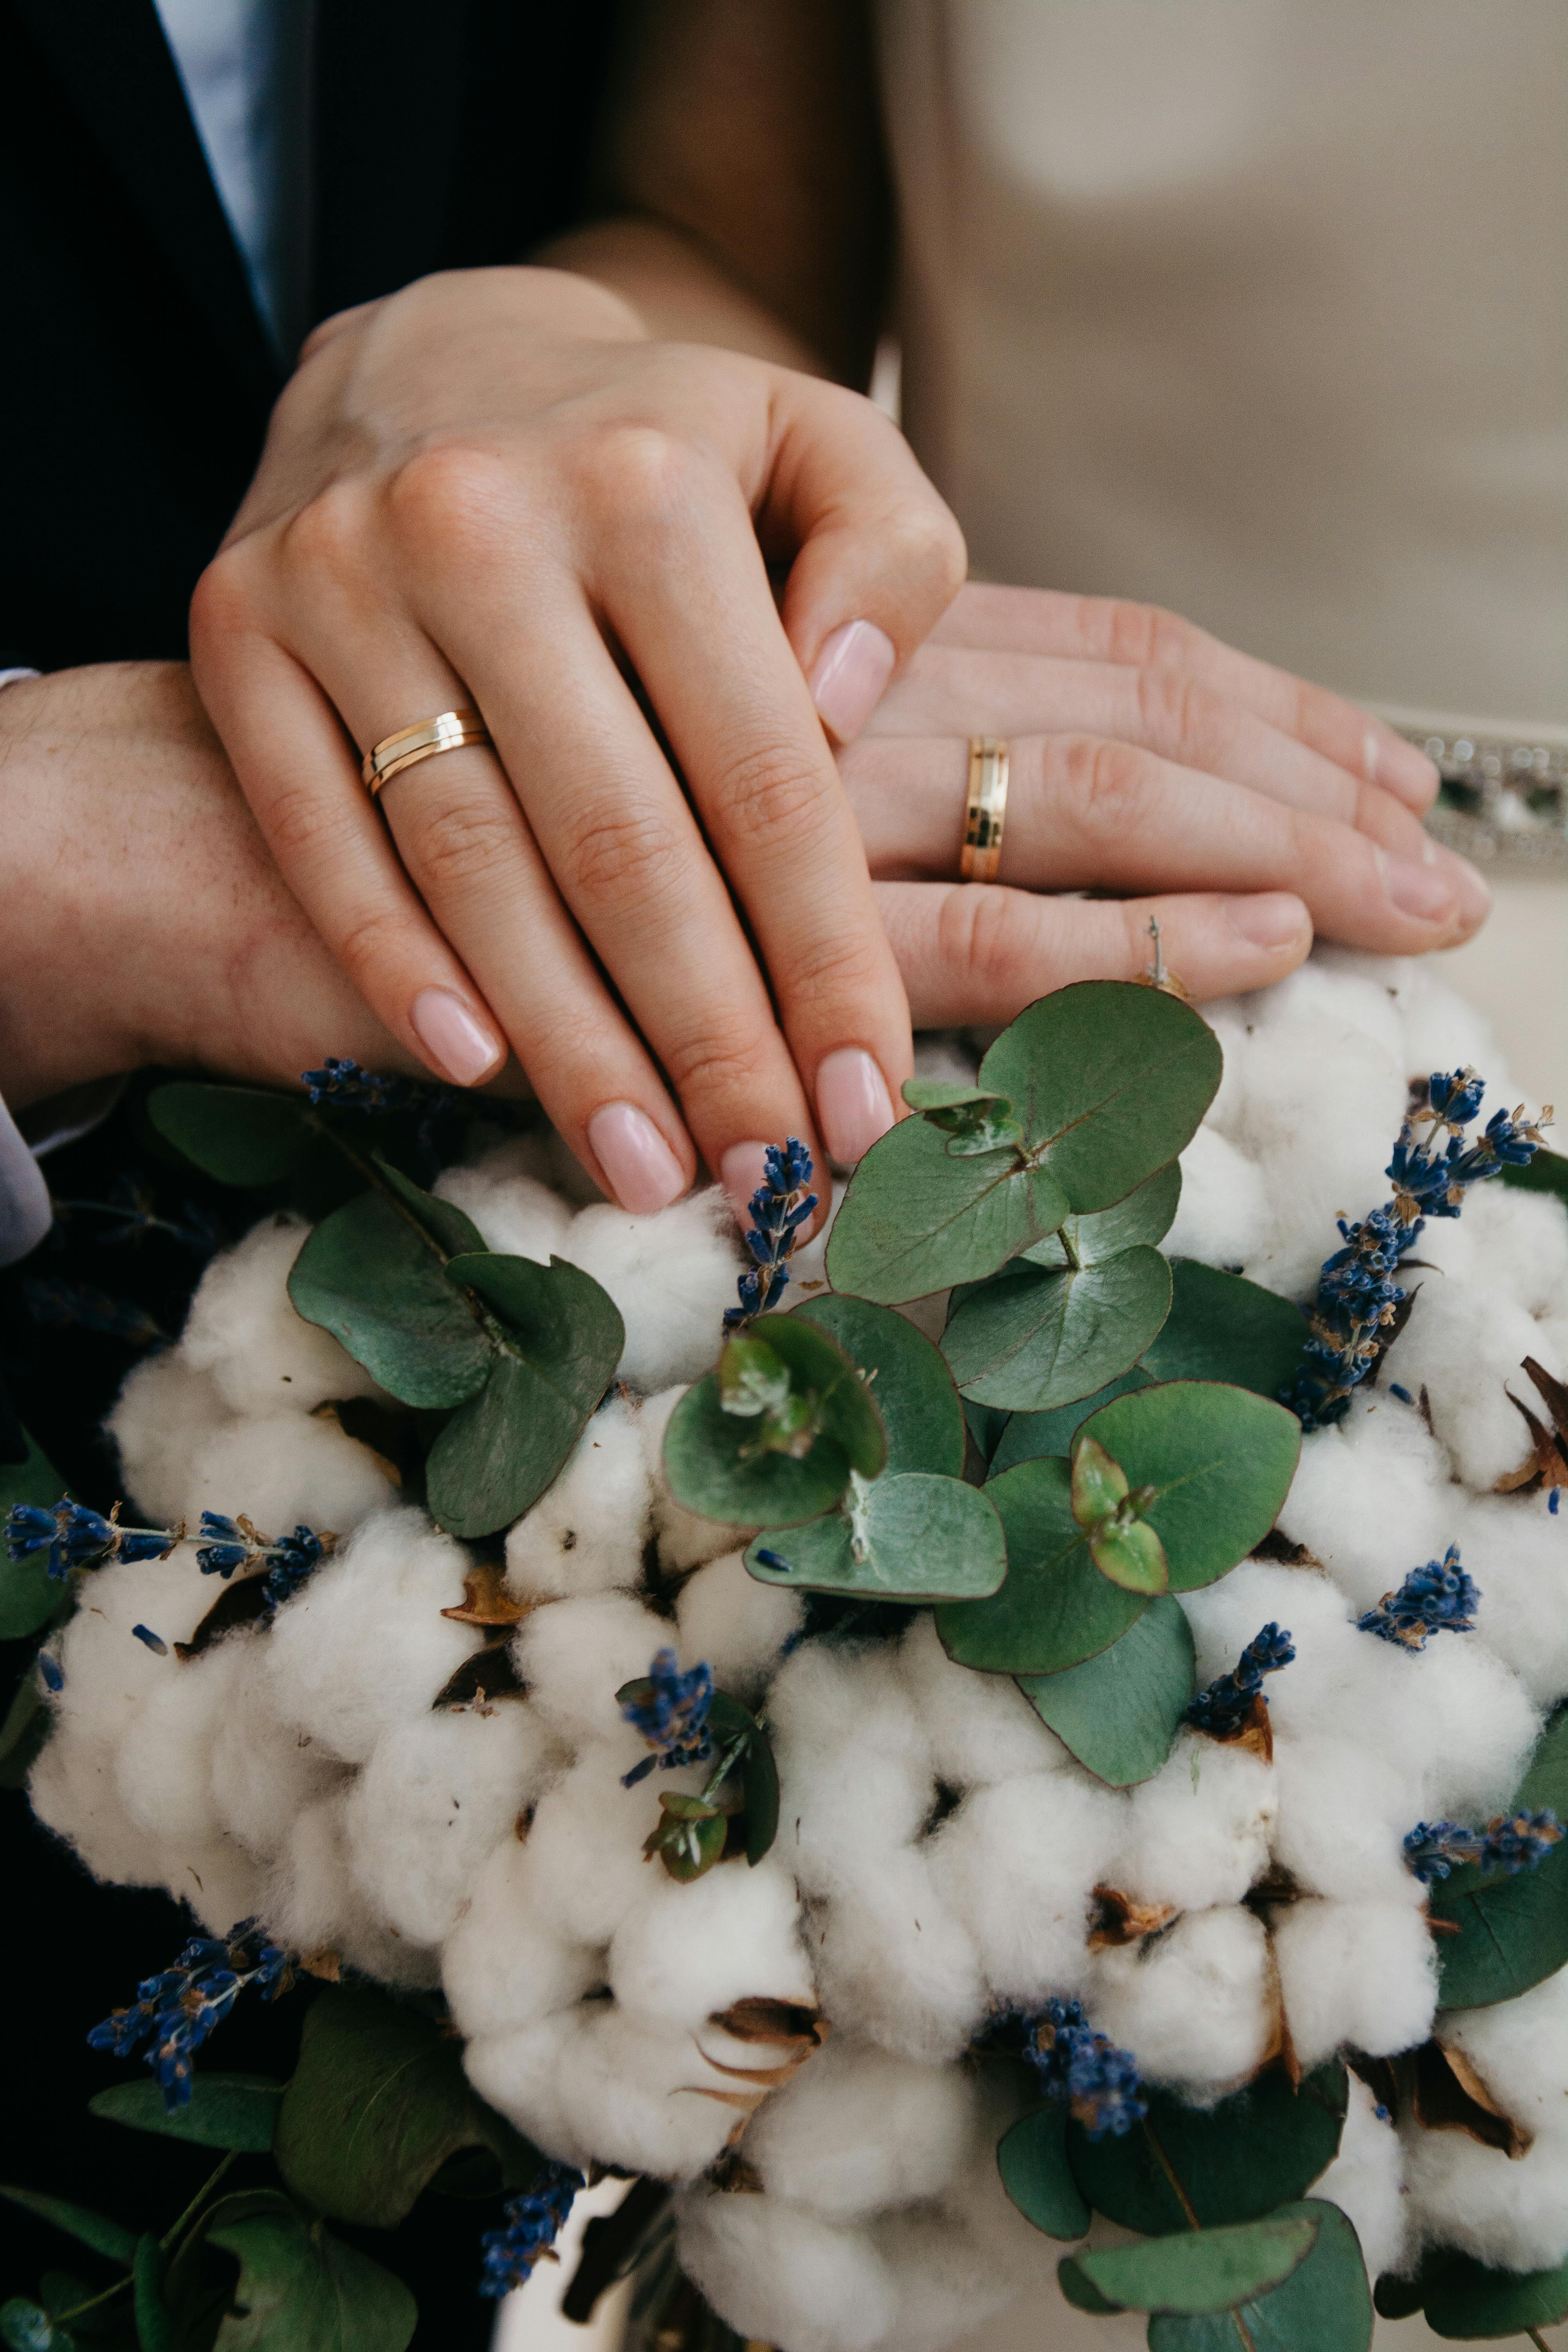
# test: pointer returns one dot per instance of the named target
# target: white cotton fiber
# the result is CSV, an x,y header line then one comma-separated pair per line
x,y
583,1867
782,2275
1442,1030
1343,1812
1360,1975
160,1417
980,1727
74,1790
586,1534
435,1797
164,1762
1316,1081
1510,2213
894,1963
671,1274
363,1647
514,1211
1366,2181
1224,1215
685,1539
264,1770
859,2130
1464,1344
504,1966
1520,2049
574,1656
1372,1498
739,1625
1016,1863
1197,1833
1194,2005
687,1953
242,1330
1519,1557
313,1903
109,1674
856,1782
290,1470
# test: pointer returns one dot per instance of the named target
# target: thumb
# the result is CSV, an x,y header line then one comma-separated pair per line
x,y
877,556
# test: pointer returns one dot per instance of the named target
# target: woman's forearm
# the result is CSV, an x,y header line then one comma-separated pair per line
x,y
678,293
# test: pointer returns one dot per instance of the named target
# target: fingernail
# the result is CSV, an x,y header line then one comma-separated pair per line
x,y
1422,891
1272,920
1392,762
449,1034
850,675
1474,892
853,1105
643,1172
741,1171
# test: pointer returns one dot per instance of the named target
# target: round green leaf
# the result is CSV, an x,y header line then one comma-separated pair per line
x,y
1220,1461
821,1368
301,2288
924,1538
155,2328
94,2230
25,2328
452,1229
1237,2161
1028,1436
1197,2271
1054,1608
1145,1216
237,2111
1323,2307
919,1217
1133,1557
1031,2160
1119,1711
1466,2300
714,1463
1513,1932
908,1381
1221,1327
1030,1338
369,1276
241,1135
30,1595
377,2104
1109,1080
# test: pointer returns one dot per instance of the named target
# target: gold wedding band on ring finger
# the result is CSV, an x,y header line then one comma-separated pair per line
x,y
989,762
450,730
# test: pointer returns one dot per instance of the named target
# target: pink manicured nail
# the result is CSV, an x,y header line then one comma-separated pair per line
x,y
449,1034
1417,891
852,1102
1272,920
643,1172
741,1171
850,675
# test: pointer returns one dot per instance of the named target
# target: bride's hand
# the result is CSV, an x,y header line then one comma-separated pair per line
x,y
1147,758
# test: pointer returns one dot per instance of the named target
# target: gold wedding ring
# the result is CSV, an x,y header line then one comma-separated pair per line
x,y
988,765
447,731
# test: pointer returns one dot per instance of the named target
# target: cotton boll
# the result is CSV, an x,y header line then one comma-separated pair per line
x,y
1194,2005
739,1625
222,1883
1224,1215
164,1765
283,1472
1464,1344
586,1534
1518,1555
1519,2049
859,2130
1196,1835
1356,1973
855,1775
1510,2214
574,1656
1317,1691
981,1728
109,1674
74,1790
161,1417
1443,1030
1366,2181
1465,1718
583,1866
243,1329
894,1964
313,1903
685,1539
671,1274
514,1212
688,1952
363,1648
265,1771
1343,1812
504,1966
435,1796
1016,1863
782,2275
1323,1106
1371,1497
1228,1016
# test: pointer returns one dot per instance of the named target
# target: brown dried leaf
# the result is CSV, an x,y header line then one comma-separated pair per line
x,y
732,2175
324,1962
486,1600
1450,2096
490,1673
1121,1920
1553,1395
760,2018
1253,1732
1544,1461
1279,1547
244,1604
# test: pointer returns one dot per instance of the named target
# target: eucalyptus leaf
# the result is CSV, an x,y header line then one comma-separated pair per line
x,y
1323,2307
95,2230
1513,1932
689,1838
729,1720
241,1135
1033,1338
919,1217
1132,1557
300,2289
1145,1216
971,1120
370,1276
1222,1327
452,1229
1029,1436
716,1467
1220,1461
906,1376
378,2102
1195,2270
155,2328
920,1538
1054,1609
1466,2300
1118,1713
25,2326
30,1595
1547,1171
1109,1079
1236,2162
1031,2160
237,2111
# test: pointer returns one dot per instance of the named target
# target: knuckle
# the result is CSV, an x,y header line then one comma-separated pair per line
x,y
448,497
1147,635
1107,784
462,845
991,934
640,471
1179,710
620,855
717,1067
325,538
369,944
298,826
766,794
223,602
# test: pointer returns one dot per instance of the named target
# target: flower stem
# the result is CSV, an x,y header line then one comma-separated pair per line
x,y
172,2236
93,2301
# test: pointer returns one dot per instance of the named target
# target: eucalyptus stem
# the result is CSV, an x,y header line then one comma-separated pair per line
x,y
172,2235
726,1764
104,2295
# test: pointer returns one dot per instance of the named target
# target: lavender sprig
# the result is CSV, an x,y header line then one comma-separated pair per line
x,y
1223,1708
228,1544
1098,2083
533,2222
79,1304
174,2012
1509,1842
1440,1597
131,1200
779,1207
670,1710
78,1537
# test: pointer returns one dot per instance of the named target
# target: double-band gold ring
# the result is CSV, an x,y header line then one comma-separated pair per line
x,y
447,731
989,762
